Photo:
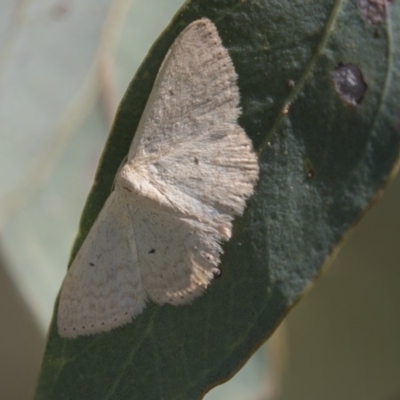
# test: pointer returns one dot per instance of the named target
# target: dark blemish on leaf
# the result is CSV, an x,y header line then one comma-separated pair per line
x,y
74,329
83,327
126,188
91,264
126,312
170,92
373,11
309,168
92,326
152,251
196,161
377,33
349,83
216,273
102,323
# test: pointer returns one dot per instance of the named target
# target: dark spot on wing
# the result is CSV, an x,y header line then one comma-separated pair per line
x,y
216,273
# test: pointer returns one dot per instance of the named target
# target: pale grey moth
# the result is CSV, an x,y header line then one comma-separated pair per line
x,y
190,169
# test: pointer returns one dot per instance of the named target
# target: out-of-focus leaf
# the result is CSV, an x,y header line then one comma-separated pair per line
x,y
38,54
38,238
319,91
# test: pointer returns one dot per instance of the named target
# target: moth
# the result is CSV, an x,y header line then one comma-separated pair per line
x,y
189,171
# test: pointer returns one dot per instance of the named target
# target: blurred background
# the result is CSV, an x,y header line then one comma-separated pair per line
x,y
64,66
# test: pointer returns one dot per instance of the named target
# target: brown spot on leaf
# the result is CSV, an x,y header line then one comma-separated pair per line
x,y
349,83
373,11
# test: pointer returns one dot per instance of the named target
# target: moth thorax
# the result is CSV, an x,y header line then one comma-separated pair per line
x,y
133,181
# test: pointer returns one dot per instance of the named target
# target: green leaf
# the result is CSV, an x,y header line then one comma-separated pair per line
x,y
323,160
